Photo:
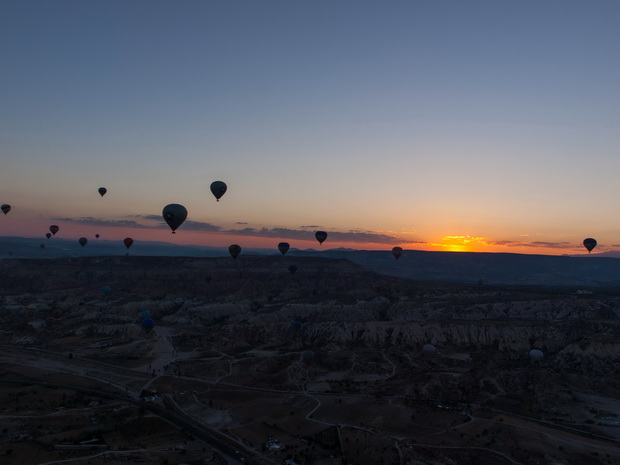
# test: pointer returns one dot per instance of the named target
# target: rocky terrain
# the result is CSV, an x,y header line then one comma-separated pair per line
x,y
270,354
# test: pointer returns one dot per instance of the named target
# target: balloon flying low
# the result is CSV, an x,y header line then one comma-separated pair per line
x,y
218,189
106,289
102,191
48,235
283,247
320,236
174,214
292,269
234,250
128,241
96,236
42,245
148,324
397,252
536,355
429,349
83,241
5,208
589,244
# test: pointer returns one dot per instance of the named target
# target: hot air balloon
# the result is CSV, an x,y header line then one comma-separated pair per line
x,y
397,252
283,247
297,324
96,236
42,245
589,244
48,235
320,236
218,189
145,314
174,214
536,355
106,289
128,241
292,269
148,324
54,229
429,349
307,356
83,241
102,191
234,250
5,208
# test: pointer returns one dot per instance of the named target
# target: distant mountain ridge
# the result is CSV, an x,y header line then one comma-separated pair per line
x,y
585,271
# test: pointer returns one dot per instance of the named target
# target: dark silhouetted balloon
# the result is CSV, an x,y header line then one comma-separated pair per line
x,y
589,244
106,289
292,269
536,355
54,229
96,236
234,250
174,214
5,208
429,349
148,324
320,236
128,241
145,314
283,247
102,191
218,189
83,241
397,252
48,235
42,245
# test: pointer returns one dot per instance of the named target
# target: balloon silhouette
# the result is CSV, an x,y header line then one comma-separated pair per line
x,y
174,214
234,250
5,207
83,241
283,247
589,244
102,191
42,245
54,229
292,269
218,189
48,235
96,236
397,252
320,236
128,241
536,355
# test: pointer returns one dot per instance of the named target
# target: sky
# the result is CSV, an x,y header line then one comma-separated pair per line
x,y
490,126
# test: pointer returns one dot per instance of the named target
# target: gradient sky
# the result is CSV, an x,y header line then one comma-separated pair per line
x,y
435,125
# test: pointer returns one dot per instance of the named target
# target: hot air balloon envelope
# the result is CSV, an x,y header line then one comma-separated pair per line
x,y
106,289
48,235
5,208
589,244
234,250
536,355
54,229
83,241
283,247
397,252
148,324
96,236
102,191
429,349
218,189
42,245
128,241
174,214
320,236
